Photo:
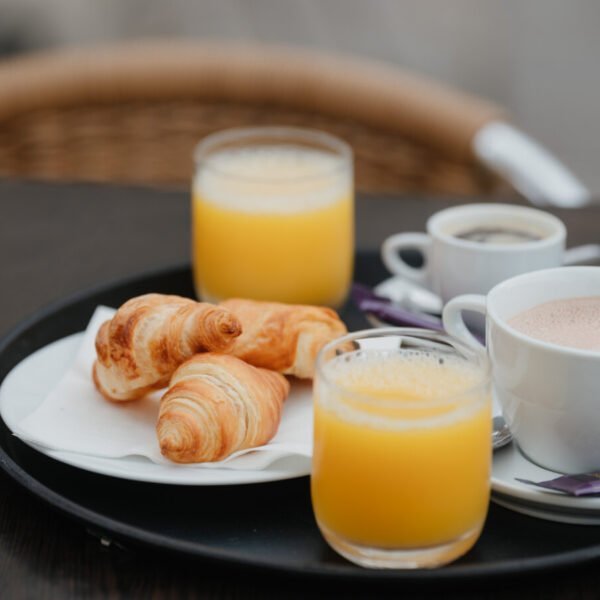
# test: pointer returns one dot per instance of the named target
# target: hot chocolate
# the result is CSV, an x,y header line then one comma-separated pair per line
x,y
571,322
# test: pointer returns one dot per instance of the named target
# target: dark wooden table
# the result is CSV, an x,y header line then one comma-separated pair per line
x,y
57,239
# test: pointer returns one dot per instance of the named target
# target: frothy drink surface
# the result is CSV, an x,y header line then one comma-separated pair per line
x,y
498,235
276,179
572,322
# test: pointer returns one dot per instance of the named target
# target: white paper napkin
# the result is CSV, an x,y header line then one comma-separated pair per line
x,y
74,417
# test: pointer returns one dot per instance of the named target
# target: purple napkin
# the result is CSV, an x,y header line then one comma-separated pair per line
x,y
383,308
583,484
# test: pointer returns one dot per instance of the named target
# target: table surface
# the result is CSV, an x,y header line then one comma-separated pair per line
x,y
56,239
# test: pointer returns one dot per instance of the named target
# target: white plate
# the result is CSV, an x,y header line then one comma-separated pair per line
x,y
509,463
26,386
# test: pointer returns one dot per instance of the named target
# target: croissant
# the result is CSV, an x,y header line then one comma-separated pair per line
x,y
218,404
150,336
283,337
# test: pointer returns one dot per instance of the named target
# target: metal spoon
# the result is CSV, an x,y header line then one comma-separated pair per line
x,y
501,435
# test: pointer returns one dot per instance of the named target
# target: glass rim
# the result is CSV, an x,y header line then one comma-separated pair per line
x,y
414,332
341,149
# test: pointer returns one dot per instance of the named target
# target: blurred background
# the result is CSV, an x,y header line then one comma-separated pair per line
x,y
537,58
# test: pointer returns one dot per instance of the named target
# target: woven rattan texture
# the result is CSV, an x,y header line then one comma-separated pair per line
x,y
153,142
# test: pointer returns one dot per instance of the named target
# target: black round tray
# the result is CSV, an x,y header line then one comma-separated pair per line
x,y
266,526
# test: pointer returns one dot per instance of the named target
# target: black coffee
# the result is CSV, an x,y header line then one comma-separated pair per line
x,y
497,235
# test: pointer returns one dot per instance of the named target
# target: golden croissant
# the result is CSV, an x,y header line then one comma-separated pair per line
x,y
283,337
218,404
150,336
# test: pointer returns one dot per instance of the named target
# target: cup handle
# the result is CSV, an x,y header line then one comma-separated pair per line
x,y
454,323
582,255
395,264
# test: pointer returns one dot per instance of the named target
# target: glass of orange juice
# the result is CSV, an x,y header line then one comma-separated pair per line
x,y
402,447
273,216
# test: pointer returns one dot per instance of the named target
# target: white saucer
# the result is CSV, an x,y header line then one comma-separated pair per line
x,y
26,386
509,464
538,511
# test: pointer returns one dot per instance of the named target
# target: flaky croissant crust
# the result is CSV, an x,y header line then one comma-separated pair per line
x,y
283,337
150,336
218,404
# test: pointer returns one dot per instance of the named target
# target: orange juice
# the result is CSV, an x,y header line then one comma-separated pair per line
x,y
273,223
402,454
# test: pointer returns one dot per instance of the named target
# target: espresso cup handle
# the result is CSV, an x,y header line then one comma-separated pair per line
x,y
454,323
582,255
406,241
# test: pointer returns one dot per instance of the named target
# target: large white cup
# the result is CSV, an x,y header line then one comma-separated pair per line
x,y
454,266
550,394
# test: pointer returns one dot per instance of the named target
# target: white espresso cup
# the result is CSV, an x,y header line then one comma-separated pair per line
x,y
550,394
454,266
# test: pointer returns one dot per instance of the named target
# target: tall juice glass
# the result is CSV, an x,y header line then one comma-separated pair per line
x,y
402,447
273,216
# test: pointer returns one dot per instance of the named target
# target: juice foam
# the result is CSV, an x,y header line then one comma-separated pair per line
x,y
400,389
272,179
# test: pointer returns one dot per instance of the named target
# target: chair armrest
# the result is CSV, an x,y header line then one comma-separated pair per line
x,y
528,167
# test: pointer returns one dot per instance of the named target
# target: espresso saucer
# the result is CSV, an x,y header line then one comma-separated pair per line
x,y
509,463
409,295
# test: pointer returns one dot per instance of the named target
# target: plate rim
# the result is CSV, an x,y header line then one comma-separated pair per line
x,y
540,511
120,530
